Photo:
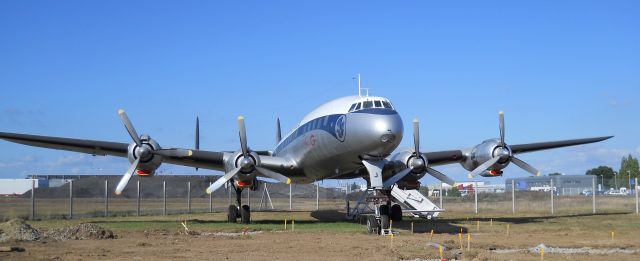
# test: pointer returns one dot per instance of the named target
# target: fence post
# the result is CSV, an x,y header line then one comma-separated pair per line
x,y
635,191
70,199
106,198
317,196
210,199
513,196
552,192
290,198
475,194
593,198
138,200
441,193
33,199
188,196
164,198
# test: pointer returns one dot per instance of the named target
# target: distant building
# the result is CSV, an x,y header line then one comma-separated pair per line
x,y
563,184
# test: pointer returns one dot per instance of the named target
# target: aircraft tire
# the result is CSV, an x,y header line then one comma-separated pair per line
x,y
384,221
396,213
372,224
245,214
232,214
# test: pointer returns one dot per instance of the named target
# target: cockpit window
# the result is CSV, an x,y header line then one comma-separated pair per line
x,y
386,104
358,106
367,104
378,104
353,107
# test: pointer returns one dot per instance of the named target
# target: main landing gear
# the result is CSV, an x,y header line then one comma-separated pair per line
x,y
384,211
243,212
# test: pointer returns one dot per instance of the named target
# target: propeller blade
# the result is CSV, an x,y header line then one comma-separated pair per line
x,y
216,185
416,135
501,113
274,175
393,180
278,131
525,166
197,133
179,153
243,136
438,175
483,167
129,127
126,177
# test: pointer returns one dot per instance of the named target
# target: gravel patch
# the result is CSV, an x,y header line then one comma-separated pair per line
x,y
17,230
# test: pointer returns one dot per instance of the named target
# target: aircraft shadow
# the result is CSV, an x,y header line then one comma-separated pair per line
x,y
534,219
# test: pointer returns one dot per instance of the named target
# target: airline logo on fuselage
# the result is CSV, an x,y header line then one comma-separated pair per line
x,y
341,127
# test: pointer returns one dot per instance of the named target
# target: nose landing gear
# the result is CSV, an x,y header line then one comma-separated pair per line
x,y
235,212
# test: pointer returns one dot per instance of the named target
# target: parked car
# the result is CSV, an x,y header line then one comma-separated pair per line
x,y
586,192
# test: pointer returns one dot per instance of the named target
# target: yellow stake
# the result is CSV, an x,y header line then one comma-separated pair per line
x,y
285,224
293,225
541,254
491,222
612,235
441,254
460,236
431,236
468,242
478,225
507,229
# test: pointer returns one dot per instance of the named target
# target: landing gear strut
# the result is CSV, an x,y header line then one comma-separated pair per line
x,y
244,212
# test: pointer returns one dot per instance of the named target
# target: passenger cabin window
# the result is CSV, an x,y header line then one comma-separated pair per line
x,y
367,104
378,104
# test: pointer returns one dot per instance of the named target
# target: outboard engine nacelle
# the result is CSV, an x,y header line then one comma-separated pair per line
x,y
149,162
484,152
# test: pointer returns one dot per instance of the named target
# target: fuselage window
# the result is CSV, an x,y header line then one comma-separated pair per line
x,y
353,107
358,106
367,104
378,104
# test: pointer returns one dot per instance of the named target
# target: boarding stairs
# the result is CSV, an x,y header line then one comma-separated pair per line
x,y
411,201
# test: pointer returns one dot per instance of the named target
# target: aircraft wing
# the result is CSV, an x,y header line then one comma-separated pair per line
x,y
199,158
456,156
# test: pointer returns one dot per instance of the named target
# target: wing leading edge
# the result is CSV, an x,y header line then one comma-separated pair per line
x,y
456,156
199,158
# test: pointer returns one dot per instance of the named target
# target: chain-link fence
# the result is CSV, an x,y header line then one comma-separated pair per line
x,y
166,195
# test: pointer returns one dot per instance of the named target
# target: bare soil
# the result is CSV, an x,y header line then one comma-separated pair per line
x,y
306,243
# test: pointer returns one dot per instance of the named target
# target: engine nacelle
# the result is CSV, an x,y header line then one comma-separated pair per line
x,y
482,153
150,162
403,160
245,178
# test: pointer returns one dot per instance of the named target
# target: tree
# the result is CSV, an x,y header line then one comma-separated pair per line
x,y
629,168
354,187
555,174
454,192
603,172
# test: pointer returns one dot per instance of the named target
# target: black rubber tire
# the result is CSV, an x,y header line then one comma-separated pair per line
x,y
372,224
384,221
396,213
232,214
384,210
245,214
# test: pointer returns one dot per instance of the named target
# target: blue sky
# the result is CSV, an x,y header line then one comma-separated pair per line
x,y
559,70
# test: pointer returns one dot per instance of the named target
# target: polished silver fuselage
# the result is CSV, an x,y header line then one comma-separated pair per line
x,y
333,146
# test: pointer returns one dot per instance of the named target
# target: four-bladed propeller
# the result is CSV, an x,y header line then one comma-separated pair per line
x,y
417,163
503,154
247,164
143,151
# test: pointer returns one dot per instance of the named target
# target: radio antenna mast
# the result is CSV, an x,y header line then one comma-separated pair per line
x,y
359,88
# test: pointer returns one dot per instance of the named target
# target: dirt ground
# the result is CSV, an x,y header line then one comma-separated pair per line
x,y
317,237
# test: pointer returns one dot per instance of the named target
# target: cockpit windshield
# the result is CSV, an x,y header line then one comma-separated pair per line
x,y
381,104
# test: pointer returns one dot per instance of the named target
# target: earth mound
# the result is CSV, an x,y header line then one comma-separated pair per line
x,y
81,231
17,230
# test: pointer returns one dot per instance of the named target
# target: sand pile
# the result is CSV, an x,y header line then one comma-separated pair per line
x,y
17,230
80,232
